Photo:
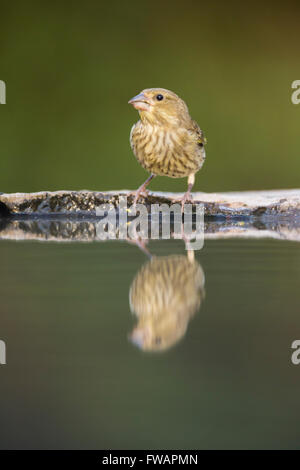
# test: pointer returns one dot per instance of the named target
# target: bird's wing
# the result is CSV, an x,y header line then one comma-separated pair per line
x,y
201,139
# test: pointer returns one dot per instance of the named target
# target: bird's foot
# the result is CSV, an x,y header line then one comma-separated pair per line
x,y
138,193
142,191
186,198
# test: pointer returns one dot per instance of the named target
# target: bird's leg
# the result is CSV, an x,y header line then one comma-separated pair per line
x,y
191,256
187,197
142,189
141,244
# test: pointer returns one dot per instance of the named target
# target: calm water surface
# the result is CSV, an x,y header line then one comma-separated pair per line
x,y
203,360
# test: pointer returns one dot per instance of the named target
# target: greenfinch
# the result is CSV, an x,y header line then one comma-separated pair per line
x,y
166,140
165,294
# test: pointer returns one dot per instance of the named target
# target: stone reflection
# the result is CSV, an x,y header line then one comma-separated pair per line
x,y
165,294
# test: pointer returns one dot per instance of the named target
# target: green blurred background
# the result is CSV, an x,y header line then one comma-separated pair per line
x,y
70,69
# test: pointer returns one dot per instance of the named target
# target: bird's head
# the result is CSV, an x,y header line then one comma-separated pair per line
x,y
160,106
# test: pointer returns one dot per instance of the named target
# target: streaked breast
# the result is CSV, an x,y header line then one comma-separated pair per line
x,y
169,152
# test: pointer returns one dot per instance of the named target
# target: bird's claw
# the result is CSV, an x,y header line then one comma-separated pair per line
x,y
136,195
143,193
186,198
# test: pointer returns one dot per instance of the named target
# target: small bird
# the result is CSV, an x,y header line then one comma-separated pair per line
x,y
166,140
165,294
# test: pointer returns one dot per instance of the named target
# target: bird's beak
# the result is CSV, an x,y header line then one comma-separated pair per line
x,y
140,102
137,337
140,336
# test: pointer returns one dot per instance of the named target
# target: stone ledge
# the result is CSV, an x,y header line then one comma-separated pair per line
x,y
274,203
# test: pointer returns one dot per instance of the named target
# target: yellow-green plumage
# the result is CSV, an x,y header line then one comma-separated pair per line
x,y
166,140
164,296
166,151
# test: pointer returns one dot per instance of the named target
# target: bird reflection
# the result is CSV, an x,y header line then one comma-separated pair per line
x,y
164,296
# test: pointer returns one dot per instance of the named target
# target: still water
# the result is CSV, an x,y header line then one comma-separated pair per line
x,y
107,348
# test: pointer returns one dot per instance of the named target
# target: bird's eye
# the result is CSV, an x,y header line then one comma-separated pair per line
x,y
159,97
